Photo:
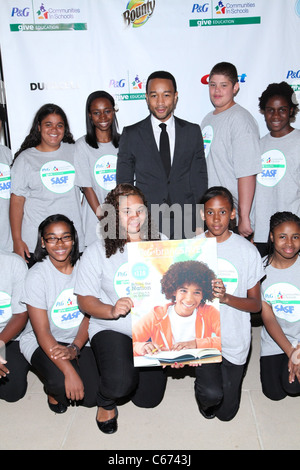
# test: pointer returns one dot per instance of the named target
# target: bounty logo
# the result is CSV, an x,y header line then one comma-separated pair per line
x,y
138,12
42,13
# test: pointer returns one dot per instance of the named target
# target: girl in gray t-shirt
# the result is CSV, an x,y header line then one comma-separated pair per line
x,y
124,221
95,158
55,340
278,184
42,180
280,336
240,270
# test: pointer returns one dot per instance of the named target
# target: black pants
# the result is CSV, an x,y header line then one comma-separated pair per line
x,y
274,376
54,380
219,385
262,248
119,379
13,387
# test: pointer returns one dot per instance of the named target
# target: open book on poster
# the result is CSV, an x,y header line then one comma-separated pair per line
x,y
186,356
170,283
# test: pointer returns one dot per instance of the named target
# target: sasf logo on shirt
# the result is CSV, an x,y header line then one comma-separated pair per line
x,y
58,176
65,313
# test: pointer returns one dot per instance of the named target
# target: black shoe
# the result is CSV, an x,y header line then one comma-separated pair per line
x,y
110,426
59,408
208,413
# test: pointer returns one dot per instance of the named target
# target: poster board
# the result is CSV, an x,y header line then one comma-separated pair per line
x,y
167,281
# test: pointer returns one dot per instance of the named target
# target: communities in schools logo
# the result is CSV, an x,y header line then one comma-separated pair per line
x,y
138,12
43,17
220,13
131,88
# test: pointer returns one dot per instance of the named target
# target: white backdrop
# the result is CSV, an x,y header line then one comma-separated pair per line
x,y
61,50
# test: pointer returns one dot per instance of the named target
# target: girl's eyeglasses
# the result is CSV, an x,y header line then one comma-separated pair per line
x,y
54,240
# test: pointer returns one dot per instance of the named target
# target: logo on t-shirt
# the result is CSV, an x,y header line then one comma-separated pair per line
x,y
208,135
5,307
105,171
285,301
121,281
65,313
58,176
4,181
273,168
229,275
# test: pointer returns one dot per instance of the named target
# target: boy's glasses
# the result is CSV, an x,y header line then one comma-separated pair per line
x,y
54,240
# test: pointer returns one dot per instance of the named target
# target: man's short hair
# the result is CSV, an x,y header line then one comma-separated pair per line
x,y
161,74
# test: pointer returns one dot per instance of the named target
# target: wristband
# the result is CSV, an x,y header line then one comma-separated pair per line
x,y
75,347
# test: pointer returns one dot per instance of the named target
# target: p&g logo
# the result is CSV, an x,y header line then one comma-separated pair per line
x,y
20,12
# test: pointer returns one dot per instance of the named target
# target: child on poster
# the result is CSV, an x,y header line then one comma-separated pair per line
x,y
188,321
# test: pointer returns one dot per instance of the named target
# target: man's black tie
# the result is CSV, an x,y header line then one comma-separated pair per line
x,y
164,148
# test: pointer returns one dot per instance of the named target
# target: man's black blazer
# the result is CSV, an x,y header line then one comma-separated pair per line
x,y
139,163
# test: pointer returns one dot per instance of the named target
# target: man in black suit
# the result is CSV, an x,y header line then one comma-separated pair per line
x,y
172,189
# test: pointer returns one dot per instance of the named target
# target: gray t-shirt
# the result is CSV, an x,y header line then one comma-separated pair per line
x,y
278,185
96,169
281,290
107,280
5,183
46,180
12,278
240,267
231,143
48,289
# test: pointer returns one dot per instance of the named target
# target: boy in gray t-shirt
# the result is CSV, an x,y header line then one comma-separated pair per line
x,y
231,140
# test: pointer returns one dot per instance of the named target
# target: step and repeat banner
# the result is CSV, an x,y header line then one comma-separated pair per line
x,y
60,51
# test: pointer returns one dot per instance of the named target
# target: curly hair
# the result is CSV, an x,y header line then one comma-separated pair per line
x,y
110,223
275,220
33,139
188,272
279,89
